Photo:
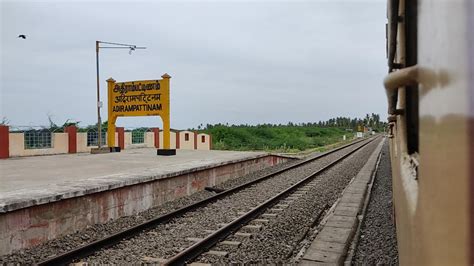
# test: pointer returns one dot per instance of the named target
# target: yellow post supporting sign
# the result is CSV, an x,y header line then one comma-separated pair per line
x,y
139,98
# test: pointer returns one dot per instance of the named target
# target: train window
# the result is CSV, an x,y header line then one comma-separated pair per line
x,y
203,139
186,136
411,96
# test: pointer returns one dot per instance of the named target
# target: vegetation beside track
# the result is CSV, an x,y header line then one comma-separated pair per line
x,y
290,137
285,138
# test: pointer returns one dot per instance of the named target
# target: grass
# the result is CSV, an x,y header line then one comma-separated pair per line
x,y
281,138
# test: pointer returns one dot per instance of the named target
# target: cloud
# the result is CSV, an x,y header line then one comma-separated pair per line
x,y
236,62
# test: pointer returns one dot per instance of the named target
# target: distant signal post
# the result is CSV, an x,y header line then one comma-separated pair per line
x,y
140,98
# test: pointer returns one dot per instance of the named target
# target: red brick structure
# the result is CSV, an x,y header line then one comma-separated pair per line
x,y
121,137
156,131
72,138
177,139
4,142
195,140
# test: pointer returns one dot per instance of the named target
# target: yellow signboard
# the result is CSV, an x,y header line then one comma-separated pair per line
x,y
139,98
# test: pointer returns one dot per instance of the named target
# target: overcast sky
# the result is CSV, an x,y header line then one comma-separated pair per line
x,y
235,62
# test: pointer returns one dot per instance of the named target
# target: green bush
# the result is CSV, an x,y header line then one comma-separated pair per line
x,y
273,137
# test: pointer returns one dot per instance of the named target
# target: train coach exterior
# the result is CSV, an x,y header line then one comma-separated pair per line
x,y
430,49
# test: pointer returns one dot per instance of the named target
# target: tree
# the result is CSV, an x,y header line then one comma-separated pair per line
x,y
4,121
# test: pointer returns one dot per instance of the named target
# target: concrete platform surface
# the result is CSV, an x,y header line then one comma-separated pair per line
x,y
27,181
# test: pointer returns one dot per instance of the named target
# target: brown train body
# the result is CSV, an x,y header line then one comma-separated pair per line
x,y
430,90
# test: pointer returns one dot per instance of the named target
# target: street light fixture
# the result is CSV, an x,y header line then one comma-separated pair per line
x,y
131,48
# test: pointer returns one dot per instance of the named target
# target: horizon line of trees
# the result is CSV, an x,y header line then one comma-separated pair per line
x,y
370,120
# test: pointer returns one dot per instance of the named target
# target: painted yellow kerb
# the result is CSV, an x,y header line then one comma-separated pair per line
x,y
139,98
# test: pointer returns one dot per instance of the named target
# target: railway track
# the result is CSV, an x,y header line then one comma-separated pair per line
x,y
234,208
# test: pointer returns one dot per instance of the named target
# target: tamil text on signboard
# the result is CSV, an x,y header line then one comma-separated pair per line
x,y
139,98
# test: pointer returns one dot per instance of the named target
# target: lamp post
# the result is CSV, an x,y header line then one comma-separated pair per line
x,y
131,48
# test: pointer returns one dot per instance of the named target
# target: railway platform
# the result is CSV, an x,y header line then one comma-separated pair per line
x,y
43,197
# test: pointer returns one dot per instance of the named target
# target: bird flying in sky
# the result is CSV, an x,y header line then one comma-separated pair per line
x,y
23,36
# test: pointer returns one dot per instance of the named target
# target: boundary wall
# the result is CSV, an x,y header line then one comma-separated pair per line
x,y
12,144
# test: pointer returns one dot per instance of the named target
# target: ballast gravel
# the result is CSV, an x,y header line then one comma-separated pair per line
x,y
279,240
68,242
378,241
166,240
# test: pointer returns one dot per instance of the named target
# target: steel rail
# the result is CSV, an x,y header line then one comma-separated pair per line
x,y
199,247
89,248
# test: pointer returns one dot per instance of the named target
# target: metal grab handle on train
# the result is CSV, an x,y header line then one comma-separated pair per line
x,y
400,78
391,125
